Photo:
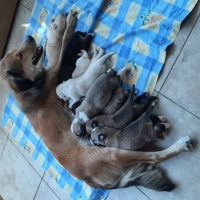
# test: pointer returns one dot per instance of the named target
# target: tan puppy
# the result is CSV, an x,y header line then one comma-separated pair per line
x,y
54,39
135,135
74,89
82,64
99,167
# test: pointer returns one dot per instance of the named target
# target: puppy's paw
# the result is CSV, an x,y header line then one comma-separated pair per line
x,y
71,18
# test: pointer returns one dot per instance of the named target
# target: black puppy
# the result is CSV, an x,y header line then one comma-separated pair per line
x,y
78,41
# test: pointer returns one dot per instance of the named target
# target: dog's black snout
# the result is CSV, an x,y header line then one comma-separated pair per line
x,y
29,38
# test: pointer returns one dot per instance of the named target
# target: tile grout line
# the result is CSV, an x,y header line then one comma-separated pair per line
x,y
180,106
178,55
4,145
50,186
142,192
38,187
24,156
25,7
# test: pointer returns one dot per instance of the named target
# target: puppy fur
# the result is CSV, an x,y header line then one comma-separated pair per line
x,y
82,64
78,41
135,135
118,98
74,89
96,99
129,112
99,167
54,39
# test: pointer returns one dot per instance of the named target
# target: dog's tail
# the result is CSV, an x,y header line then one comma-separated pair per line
x,y
149,176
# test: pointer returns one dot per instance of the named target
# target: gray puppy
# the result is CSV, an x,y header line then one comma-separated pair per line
x,y
135,135
117,100
95,101
129,112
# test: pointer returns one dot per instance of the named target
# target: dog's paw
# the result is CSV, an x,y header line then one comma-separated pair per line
x,y
184,144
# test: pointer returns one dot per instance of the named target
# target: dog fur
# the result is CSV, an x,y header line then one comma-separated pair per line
x,y
82,64
74,89
135,135
78,41
118,98
98,167
97,97
129,112
54,39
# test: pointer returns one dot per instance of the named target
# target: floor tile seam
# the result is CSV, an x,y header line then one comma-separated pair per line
x,y
175,61
50,186
179,106
20,4
4,147
143,193
37,189
25,157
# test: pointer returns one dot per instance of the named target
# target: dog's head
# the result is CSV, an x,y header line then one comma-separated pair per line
x,y
19,67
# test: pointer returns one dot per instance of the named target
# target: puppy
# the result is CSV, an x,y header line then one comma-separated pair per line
x,y
78,41
74,89
130,111
54,39
82,64
118,98
135,135
96,99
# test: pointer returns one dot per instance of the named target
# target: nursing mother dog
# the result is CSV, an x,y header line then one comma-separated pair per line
x,y
35,91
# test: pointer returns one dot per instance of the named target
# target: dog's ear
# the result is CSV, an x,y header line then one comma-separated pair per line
x,y
17,82
94,124
101,137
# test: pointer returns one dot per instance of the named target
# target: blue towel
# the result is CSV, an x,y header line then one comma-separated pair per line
x,y
138,31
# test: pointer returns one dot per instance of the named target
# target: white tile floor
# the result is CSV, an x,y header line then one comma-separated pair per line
x,y
178,90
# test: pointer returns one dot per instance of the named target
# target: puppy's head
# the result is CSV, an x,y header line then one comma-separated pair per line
x,y
19,67
100,136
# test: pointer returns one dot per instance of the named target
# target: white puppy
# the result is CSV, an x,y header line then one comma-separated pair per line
x,y
74,89
54,39
82,64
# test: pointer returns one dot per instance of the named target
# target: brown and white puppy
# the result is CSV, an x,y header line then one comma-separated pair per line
x,y
135,135
95,101
74,89
118,98
77,42
98,167
130,111
54,39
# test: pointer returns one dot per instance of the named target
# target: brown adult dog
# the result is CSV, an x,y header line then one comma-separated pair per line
x,y
35,92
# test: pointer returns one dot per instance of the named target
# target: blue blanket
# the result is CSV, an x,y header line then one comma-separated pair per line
x,y
138,31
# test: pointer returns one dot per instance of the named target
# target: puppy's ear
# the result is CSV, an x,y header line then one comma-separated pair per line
x,y
17,82
94,124
101,137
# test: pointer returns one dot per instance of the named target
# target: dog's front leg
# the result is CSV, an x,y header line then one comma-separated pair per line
x,y
70,28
